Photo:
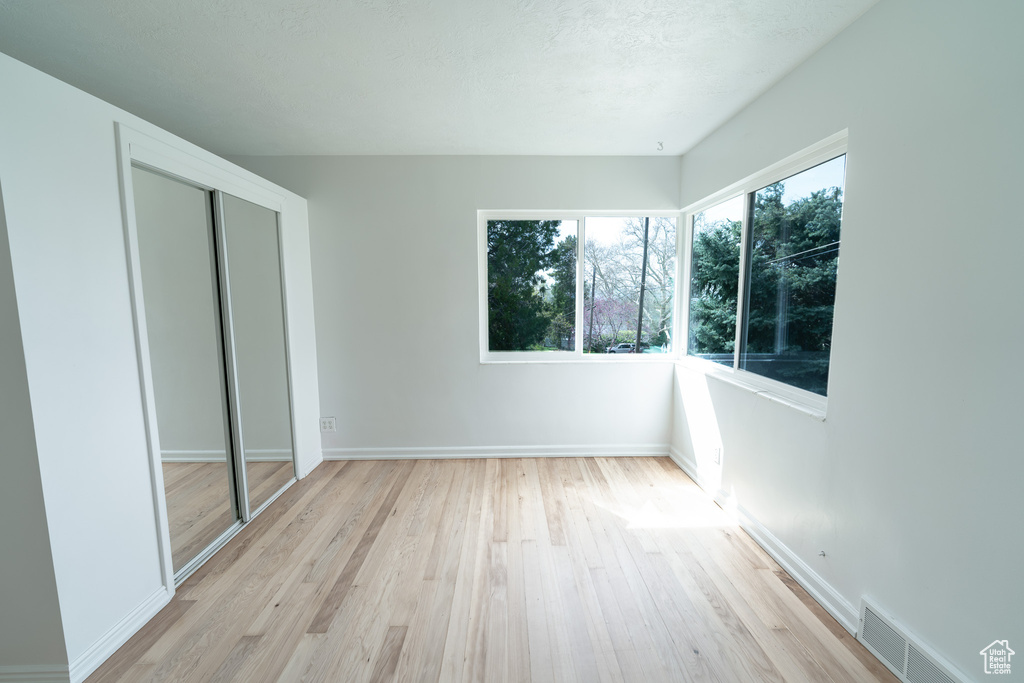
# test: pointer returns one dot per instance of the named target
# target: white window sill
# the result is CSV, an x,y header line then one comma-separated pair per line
x,y
595,359
810,404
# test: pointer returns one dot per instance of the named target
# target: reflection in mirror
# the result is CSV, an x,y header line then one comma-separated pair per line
x,y
182,309
257,329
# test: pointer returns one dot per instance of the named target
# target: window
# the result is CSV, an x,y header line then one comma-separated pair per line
x,y
764,264
562,287
615,282
714,281
531,285
791,277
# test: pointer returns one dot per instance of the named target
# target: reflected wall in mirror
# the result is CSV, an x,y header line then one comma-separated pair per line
x,y
182,309
258,333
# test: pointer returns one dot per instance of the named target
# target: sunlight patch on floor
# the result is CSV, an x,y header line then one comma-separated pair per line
x,y
689,508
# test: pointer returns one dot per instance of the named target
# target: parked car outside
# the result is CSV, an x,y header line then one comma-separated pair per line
x,y
627,347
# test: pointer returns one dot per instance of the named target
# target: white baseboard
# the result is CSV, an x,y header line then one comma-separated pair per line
x,y
449,452
251,455
117,636
822,592
306,466
819,589
689,466
34,674
193,456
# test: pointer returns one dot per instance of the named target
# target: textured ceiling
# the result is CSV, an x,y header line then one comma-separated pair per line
x,y
425,76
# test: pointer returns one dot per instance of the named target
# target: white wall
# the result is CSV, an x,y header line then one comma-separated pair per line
x,y
58,170
30,626
912,485
394,244
59,174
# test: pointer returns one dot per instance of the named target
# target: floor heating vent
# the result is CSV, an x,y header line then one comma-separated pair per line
x,y
921,668
901,652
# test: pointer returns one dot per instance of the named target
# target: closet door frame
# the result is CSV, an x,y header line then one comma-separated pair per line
x,y
200,169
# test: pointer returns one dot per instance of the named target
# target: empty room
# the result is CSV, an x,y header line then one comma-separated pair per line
x,y
459,341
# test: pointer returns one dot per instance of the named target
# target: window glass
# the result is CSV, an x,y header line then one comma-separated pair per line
x,y
714,281
615,280
791,277
531,285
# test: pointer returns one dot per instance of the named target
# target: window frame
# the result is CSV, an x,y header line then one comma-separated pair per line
x,y
576,355
801,399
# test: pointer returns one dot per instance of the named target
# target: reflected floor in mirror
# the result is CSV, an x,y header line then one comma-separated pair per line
x,y
560,569
199,507
266,479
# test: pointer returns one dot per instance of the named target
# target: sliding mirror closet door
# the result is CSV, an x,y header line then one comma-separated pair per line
x,y
254,287
178,266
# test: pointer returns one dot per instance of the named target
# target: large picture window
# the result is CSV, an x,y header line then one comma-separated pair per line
x,y
763,276
793,253
563,287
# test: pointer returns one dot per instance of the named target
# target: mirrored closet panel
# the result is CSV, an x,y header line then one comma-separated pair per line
x,y
213,300
253,275
178,265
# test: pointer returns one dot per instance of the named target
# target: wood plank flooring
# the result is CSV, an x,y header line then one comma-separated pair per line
x,y
199,504
592,570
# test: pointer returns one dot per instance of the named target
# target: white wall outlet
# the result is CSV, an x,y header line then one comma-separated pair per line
x,y
718,456
328,424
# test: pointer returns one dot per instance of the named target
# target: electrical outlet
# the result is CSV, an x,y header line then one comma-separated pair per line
x,y
328,424
718,456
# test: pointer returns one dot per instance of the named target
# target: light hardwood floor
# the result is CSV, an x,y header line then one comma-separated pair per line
x,y
199,501
586,570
